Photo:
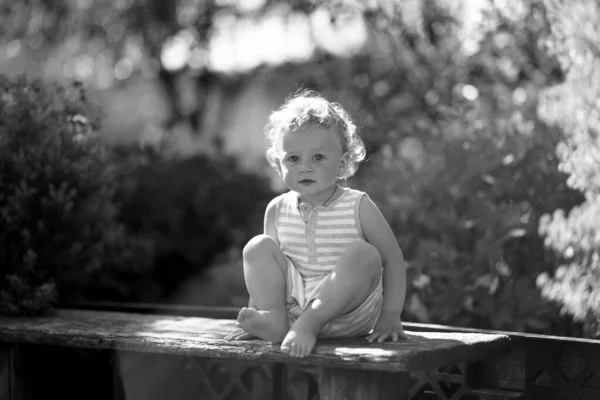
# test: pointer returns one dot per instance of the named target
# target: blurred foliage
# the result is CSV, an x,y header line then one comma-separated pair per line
x,y
574,107
120,39
85,221
193,209
59,222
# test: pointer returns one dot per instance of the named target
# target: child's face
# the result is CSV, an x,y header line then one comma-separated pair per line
x,y
310,159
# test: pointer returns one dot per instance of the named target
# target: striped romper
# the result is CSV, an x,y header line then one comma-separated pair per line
x,y
313,249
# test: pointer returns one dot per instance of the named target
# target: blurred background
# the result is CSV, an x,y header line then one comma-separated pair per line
x,y
132,155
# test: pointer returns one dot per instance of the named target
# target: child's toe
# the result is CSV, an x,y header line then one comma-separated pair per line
x,y
303,352
246,313
295,349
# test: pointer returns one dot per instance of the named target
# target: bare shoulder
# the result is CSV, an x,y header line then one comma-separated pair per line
x,y
270,227
372,221
272,206
368,210
378,232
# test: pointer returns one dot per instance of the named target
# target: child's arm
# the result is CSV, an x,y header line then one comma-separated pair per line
x,y
269,220
378,233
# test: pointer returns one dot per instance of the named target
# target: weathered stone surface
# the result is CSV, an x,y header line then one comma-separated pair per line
x,y
205,337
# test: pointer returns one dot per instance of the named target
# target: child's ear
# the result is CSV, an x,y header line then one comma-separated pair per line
x,y
343,165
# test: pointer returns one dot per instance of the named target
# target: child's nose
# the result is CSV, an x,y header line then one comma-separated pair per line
x,y
305,167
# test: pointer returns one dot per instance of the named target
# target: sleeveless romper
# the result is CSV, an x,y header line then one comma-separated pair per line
x,y
313,248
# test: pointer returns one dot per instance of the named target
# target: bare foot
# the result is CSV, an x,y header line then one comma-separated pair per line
x,y
301,338
267,325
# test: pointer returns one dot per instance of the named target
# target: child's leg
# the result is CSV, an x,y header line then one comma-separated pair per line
x,y
355,276
265,269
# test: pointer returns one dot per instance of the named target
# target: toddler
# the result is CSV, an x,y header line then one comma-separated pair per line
x,y
327,264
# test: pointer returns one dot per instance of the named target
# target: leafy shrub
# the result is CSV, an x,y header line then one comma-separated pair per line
x,y
85,221
59,223
573,106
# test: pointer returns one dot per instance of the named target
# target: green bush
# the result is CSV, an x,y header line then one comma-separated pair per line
x,y
59,222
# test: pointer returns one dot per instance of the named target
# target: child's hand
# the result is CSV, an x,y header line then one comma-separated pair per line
x,y
388,326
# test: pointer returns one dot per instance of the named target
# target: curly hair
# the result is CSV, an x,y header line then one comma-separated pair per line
x,y
309,107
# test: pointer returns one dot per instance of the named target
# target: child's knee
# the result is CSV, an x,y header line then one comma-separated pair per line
x,y
258,246
363,255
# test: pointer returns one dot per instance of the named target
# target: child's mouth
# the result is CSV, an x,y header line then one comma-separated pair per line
x,y
306,181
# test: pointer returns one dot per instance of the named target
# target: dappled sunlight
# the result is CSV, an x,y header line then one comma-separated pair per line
x,y
372,352
470,92
13,48
246,43
344,36
176,50
199,328
236,44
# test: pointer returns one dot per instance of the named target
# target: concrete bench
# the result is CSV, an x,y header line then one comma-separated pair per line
x,y
347,369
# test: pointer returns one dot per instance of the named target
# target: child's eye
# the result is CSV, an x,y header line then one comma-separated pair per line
x,y
319,157
293,158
